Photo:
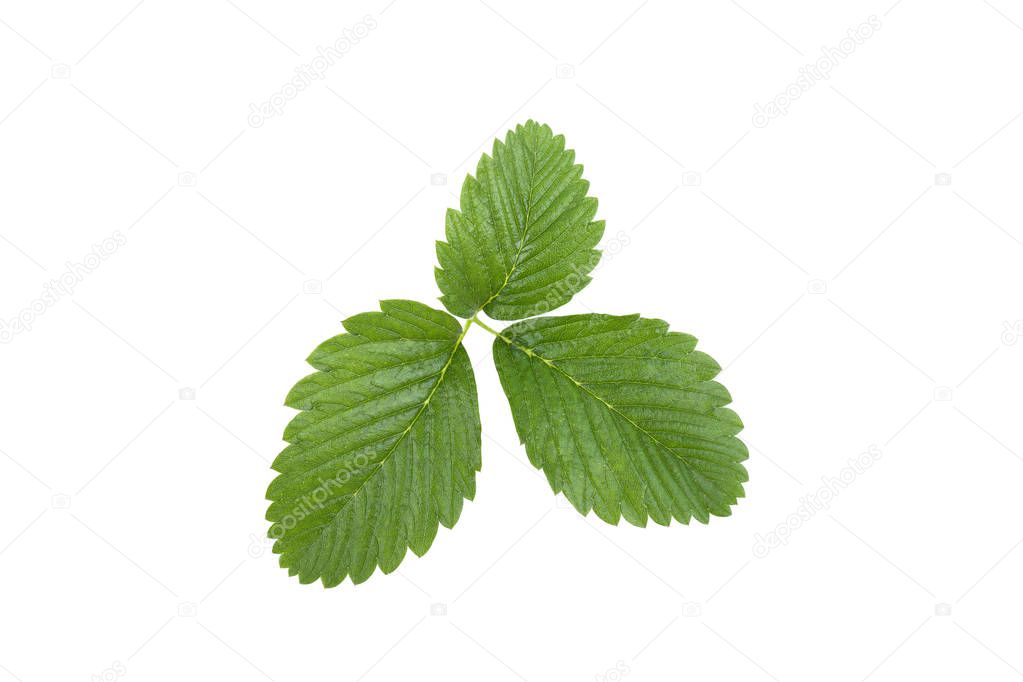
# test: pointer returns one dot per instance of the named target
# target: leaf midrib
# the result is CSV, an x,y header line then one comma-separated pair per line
x,y
531,353
522,238
408,429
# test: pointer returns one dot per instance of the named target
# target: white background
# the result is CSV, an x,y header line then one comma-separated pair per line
x,y
855,299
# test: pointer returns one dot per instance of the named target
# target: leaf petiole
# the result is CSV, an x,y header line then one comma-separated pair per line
x,y
527,351
477,320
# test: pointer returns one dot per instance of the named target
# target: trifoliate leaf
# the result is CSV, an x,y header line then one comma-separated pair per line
x,y
623,417
386,447
522,243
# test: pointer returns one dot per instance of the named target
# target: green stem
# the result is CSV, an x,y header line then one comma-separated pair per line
x,y
527,351
458,342
475,318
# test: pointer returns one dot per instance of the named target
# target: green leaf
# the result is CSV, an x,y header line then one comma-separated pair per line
x,y
623,417
522,243
386,447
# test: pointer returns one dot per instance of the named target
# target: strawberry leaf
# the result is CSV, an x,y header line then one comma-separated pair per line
x,y
522,243
623,417
386,447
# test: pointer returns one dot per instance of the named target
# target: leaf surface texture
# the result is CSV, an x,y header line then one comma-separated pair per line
x,y
523,240
385,448
623,416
